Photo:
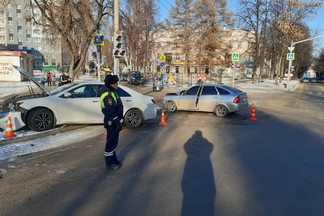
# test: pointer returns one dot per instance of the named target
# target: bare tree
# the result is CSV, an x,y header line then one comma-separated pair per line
x,y
74,22
181,23
319,64
4,4
275,24
140,24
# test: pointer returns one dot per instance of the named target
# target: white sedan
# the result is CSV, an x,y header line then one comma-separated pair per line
x,y
78,103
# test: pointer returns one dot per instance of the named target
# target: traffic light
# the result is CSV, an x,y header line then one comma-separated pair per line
x,y
118,44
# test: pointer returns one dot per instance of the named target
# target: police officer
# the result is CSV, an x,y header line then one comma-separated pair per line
x,y
112,108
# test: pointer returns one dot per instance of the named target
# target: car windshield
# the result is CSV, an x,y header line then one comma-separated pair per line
x,y
235,90
62,88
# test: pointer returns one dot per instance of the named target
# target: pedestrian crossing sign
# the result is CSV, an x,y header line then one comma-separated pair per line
x,y
99,40
235,56
290,56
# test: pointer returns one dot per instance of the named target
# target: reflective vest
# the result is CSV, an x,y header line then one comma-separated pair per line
x,y
102,97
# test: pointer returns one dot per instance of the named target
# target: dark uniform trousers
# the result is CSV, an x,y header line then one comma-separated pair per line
x,y
111,144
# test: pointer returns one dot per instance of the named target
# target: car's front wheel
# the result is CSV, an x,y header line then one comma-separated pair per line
x,y
40,120
221,111
133,118
171,106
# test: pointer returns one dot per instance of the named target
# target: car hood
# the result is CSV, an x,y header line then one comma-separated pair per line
x,y
31,78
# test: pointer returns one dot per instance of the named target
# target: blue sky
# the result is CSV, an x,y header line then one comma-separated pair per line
x,y
315,23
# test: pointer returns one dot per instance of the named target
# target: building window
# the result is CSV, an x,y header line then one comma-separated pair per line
x,y
11,39
2,29
28,39
2,38
177,69
2,21
9,22
11,31
53,60
19,39
177,57
45,59
20,47
239,45
19,31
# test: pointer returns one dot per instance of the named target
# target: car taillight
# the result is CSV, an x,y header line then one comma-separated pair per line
x,y
153,101
237,100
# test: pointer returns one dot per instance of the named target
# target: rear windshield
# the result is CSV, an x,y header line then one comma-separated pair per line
x,y
235,90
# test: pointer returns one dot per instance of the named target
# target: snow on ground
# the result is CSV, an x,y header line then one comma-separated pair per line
x,y
9,151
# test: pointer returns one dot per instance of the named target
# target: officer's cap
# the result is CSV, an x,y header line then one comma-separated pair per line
x,y
111,79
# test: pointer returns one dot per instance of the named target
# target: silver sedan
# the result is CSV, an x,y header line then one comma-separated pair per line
x,y
220,99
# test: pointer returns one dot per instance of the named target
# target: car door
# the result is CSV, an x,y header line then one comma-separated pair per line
x,y
207,99
126,98
188,100
80,105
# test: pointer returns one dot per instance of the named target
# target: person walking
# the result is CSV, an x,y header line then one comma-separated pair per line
x,y
64,79
112,108
49,78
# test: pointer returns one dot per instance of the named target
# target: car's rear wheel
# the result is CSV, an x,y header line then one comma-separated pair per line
x,y
221,111
40,120
133,118
171,106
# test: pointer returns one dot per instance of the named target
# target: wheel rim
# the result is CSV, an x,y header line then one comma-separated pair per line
x,y
133,119
221,111
42,121
171,106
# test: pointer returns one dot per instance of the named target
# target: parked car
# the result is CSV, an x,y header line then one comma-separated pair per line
x,y
135,78
220,99
124,77
76,103
305,80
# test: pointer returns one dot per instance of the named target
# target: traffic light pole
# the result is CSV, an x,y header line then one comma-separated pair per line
x,y
116,27
291,48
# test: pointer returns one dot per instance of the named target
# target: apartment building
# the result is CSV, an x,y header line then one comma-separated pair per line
x,y
238,39
17,33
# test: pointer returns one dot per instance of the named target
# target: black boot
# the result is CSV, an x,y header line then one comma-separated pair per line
x,y
116,161
111,164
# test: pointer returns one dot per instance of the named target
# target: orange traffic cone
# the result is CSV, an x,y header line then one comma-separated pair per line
x,y
163,119
9,131
253,118
252,109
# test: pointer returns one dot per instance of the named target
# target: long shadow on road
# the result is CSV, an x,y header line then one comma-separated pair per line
x,y
198,185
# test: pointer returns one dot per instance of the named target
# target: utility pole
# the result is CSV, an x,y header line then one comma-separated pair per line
x,y
116,27
291,48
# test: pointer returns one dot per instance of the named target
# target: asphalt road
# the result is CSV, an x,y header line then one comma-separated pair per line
x,y
197,164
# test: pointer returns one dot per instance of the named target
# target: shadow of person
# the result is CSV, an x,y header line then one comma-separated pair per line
x,y
198,185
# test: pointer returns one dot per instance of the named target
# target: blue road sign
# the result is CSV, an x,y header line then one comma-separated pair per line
x,y
94,55
99,40
235,57
162,64
290,56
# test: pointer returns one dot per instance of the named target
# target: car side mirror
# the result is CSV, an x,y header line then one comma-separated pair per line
x,y
67,95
